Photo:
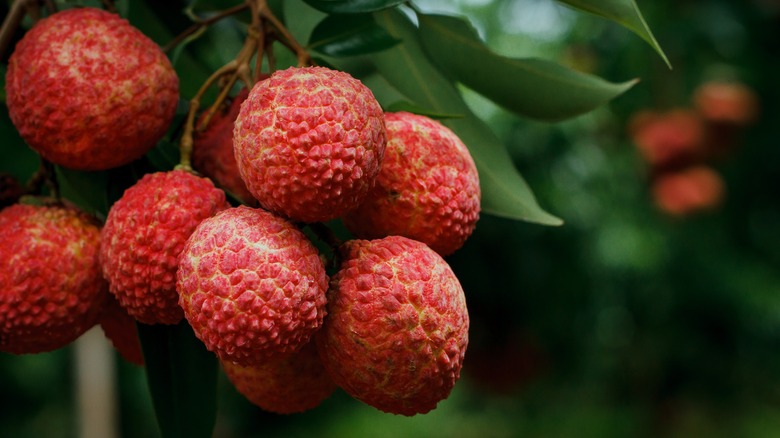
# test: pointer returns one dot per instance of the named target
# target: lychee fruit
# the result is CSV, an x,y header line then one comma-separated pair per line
x,y
397,325
212,151
309,143
726,102
144,234
88,91
252,285
670,138
51,290
120,328
688,191
427,188
293,383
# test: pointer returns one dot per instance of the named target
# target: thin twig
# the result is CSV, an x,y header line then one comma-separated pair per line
x,y
203,24
11,23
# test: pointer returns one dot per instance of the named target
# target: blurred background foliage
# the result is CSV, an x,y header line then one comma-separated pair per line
x,y
627,321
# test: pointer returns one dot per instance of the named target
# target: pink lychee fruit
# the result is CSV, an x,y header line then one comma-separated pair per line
x,y
290,384
669,138
212,151
691,190
726,102
397,325
89,91
120,328
252,285
309,142
427,188
144,234
51,290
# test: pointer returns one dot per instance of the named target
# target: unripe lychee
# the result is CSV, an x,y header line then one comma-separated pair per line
x,y
252,285
144,234
309,142
88,91
427,188
688,191
51,290
397,325
212,150
120,328
293,383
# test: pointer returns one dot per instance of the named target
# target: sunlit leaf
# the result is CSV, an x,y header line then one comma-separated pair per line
x,y
182,378
405,105
533,88
352,6
625,13
349,35
405,66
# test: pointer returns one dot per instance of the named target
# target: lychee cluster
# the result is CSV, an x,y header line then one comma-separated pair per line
x,y
304,146
679,144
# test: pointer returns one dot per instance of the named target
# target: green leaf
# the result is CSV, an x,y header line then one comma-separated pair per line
x,y
623,12
85,189
352,6
410,107
182,379
534,88
504,191
349,35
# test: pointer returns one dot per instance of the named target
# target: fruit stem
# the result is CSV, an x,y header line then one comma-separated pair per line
x,y
109,6
11,23
200,24
304,59
44,175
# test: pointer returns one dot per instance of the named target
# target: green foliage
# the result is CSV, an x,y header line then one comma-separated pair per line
x,y
349,35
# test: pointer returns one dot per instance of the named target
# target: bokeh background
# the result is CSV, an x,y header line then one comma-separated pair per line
x,y
630,320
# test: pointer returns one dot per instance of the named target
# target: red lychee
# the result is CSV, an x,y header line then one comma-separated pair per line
x,y
212,151
397,325
726,102
144,234
688,191
309,142
427,188
88,91
668,139
293,383
51,290
252,285
120,328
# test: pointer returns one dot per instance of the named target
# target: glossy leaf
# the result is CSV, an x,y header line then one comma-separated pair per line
x,y
623,12
182,379
533,88
405,105
405,66
352,6
349,35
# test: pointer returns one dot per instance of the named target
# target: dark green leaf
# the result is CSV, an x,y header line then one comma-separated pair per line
x,y
352,6
625,13
182,378
85,189
349,35
405,105
533,88
405,66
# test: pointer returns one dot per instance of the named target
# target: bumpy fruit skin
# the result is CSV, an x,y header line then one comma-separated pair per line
x,y
51,290
88,91
309,143
212,151
294,383
687,191
397,325
252,285
119,327
145,232
427,188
